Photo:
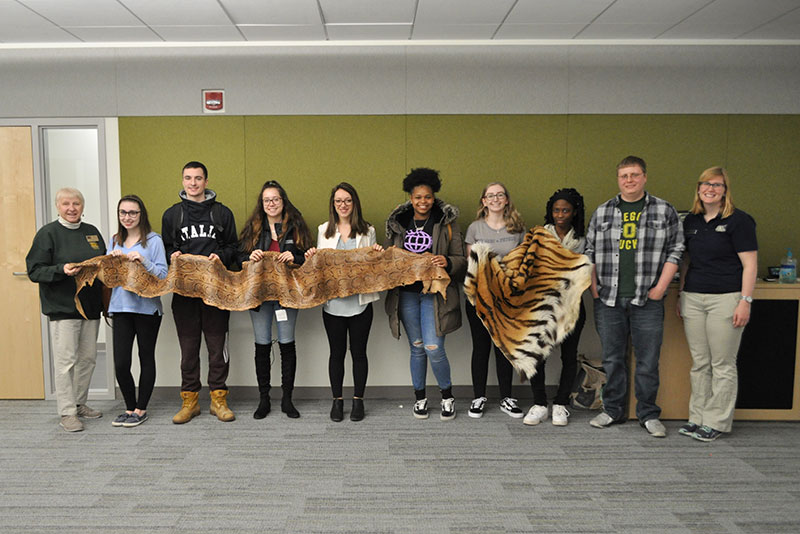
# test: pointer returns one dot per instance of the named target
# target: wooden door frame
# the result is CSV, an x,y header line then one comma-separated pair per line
x,y
108,153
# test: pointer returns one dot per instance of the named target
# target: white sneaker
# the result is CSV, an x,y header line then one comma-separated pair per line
x,y
560,415
536,415
421,409
655,428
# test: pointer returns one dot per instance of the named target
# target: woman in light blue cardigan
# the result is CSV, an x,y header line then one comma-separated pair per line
x,y
347,230
135,316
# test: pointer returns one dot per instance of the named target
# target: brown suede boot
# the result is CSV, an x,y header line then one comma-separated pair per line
x,y
219,406
190,408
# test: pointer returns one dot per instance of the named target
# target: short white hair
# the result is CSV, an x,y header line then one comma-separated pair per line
x,y
69,192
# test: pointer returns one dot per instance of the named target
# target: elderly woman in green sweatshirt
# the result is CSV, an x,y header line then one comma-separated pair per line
x,y
57,247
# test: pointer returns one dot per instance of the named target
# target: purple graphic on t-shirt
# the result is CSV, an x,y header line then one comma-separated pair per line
x,y
417,241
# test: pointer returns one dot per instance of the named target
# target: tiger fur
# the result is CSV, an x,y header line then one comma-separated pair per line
x,y
529,301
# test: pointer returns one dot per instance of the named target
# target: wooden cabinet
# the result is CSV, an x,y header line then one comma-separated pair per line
x,y
769,366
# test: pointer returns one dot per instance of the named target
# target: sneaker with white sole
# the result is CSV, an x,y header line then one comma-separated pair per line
x,y
135,419
421,409
688,429
476,408
536,415
448,409
509,406
560,415
706,433
602,420
655,428
121,418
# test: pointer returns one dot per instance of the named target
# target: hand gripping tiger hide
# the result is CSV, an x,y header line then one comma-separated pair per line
x,y
529,301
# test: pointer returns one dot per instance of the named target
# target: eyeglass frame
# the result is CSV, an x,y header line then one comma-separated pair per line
x,y
493,196
132,214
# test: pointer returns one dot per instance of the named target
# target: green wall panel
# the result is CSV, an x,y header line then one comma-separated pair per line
x,y
153,150
525,152
309,155
764,169
532,154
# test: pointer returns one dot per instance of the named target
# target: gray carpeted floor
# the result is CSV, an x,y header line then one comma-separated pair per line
x,y
389,473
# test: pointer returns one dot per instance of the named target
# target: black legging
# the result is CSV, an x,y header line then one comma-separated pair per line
x,y
145,329
337,328
569,366
481,347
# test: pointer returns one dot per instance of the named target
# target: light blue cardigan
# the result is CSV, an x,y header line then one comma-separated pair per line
x,y
155,261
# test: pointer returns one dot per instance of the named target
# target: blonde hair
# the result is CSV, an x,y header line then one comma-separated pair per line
x,y
511,216
69,192
726,207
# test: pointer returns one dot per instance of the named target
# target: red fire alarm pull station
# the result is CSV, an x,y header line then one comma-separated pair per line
x,y
213,101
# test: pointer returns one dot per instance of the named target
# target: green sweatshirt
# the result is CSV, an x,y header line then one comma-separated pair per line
x,y
54,246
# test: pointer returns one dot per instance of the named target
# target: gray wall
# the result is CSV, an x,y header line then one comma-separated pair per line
x,y
109,82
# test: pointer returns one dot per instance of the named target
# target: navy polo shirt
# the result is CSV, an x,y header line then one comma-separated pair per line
x,y
713,247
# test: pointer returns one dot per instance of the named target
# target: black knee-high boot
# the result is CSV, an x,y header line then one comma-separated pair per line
x,y
263,365
288,370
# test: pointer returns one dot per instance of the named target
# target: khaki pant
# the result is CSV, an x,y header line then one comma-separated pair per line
x,y
714,344
74,357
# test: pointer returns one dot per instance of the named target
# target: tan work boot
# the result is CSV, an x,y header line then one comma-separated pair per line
x,y
219,406
189,409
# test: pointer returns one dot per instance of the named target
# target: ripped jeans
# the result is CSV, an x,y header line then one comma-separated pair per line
x,y
418,315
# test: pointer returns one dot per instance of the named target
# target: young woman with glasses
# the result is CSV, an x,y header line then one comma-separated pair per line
x,y
346,229
275,225
135,316
499,225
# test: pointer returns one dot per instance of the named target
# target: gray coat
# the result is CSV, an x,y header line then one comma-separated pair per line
x,y
447,242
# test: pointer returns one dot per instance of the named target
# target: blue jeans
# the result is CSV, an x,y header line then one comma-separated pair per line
x,y
262,323
418,315
645,324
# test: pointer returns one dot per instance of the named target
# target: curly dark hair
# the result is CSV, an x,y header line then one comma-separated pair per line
x,y
578,217
422,176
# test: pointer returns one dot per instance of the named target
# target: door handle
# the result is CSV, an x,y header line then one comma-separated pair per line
x,y
18,273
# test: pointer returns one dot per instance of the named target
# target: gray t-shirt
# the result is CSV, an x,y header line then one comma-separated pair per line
x,y
501,241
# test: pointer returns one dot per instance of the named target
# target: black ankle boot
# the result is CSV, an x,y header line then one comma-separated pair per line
x,y
263,378
357,413
337,410
264,407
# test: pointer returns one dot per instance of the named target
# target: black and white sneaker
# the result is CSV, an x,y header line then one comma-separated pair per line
x,y
476,408
421,409
448,409
509,406
706,433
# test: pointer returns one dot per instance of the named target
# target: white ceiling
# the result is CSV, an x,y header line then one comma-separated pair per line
x,y
99,22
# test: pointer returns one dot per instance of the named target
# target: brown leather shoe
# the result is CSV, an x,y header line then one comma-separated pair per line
x,y
190,408
219,406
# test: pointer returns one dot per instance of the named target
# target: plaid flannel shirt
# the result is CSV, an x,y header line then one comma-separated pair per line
x,y
660,236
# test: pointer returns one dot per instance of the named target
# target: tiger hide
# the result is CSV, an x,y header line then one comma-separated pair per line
x,y
529,301
326,275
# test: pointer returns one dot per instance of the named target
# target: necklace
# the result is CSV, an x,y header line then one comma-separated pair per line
x,y
417,227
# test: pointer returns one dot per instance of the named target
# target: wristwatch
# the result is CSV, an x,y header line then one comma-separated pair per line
x,y
747,299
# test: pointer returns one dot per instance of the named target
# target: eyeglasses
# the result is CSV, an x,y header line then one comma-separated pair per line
x,y
131,214
342,201
713,185
492,196
631,176
273,200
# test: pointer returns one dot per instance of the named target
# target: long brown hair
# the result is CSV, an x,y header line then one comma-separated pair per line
x,y
290,217
358,226
726,207
511,216
144,222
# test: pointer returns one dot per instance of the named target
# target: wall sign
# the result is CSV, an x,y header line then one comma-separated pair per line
x,y
213,101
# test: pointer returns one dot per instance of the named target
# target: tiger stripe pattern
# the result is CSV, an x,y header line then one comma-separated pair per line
x,y
530,301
